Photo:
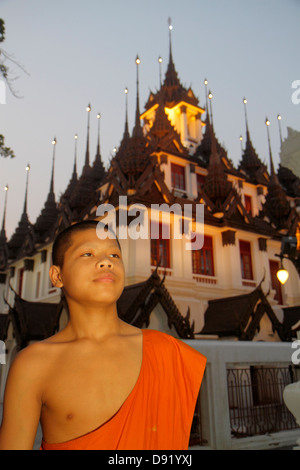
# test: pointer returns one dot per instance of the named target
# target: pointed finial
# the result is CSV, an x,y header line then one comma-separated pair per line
x,y
87,153
53,161
98,139
170,39
137,131
272,171
26,188
126,131
206,101
205,84
210,95
75,157
241,141
246,117
279,125
160,62
4,209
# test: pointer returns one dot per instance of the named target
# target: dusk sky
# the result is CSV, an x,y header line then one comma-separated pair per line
x,y
79,52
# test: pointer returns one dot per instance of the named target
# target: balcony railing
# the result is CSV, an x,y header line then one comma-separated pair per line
x,y
256,403
255,400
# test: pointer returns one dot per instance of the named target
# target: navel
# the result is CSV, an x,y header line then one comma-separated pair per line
x,y
69,416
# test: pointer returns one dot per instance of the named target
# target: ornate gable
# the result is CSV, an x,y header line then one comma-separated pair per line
x,y
139,300
240,316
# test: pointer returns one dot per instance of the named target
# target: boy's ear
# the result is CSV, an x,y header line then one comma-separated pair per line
x,y
55,277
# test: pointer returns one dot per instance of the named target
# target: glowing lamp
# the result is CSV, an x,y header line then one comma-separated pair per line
x,y
282,275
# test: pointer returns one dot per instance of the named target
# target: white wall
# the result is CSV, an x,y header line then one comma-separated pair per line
x,y
215,420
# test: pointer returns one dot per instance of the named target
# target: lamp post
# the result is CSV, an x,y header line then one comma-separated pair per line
x,y
288,250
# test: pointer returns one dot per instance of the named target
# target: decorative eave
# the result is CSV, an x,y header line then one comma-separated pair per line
x,y
240,316
139,300
277,208
289,181
47,219
216,185
204,150
33,321
251,164
23,240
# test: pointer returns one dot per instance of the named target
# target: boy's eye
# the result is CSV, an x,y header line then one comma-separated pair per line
x,y
115,254
87,254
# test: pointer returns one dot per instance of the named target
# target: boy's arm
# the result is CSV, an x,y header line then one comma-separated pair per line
x,y
22,403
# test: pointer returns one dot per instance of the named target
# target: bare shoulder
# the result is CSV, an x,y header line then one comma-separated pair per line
x,y
29,361
34,361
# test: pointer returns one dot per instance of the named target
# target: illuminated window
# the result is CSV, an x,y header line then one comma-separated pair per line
x,y
248,204
160,247
203,260
177,176
246,261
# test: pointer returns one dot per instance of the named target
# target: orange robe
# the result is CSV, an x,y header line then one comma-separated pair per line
x,y
158,413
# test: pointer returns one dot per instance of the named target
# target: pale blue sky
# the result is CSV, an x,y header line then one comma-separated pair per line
x,y
78,52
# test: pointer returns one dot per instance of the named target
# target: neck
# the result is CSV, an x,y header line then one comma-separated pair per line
x,y
95,322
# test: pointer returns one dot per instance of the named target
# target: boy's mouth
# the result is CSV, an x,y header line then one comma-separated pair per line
x,y
105,278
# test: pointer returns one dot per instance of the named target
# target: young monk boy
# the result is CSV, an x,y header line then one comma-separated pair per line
x,y
99,383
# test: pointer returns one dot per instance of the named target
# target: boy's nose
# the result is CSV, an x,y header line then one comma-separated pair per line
x,y
105,262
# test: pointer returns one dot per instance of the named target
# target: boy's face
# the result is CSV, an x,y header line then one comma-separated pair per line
x,y
93,270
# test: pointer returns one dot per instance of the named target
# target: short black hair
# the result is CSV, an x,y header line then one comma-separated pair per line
x,y
64,239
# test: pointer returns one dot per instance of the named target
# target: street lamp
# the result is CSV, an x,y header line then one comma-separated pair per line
x,y
282,274
288,250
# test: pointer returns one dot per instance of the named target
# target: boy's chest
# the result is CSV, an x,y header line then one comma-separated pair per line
x,y
86,390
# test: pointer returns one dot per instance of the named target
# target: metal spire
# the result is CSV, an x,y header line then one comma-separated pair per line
x,y
53,162
98,155
170,40
75,157
87,153
246,117
137,131
210,95
126,131
4,209
272,171
26,189
280,134
160,62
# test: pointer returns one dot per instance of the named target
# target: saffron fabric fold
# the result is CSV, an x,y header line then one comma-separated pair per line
x,y
158,413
